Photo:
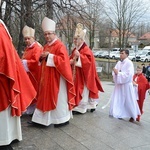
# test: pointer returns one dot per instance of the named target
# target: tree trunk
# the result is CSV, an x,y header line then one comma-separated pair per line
x,y
20,42
49,9
28,17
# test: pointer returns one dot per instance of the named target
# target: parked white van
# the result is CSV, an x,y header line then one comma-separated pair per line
x,y
146,48
143,56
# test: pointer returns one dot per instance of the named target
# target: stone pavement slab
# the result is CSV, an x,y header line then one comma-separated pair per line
x,y
90,131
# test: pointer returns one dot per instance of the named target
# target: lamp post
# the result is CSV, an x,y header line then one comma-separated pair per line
x,y
135,48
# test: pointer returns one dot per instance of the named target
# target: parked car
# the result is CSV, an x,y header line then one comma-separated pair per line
x,y
104,54
146,48
114,55
93,52
96,53
132,56
143,56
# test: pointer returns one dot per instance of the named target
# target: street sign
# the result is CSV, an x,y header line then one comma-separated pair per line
x,y
135,48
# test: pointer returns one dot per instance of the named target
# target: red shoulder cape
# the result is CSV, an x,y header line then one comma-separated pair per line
x,y
16,89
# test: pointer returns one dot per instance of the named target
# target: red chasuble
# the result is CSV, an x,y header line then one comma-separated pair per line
x,y
143,86
86,75
16,89
50,78
32,55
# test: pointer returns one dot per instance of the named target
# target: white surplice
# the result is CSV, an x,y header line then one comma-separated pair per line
x,y
86,102
62,113
10,127
123,99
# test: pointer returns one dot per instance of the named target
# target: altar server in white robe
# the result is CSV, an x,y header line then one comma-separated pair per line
x,y
123,100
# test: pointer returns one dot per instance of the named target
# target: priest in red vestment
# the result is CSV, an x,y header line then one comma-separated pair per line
x,y
56,94
30,60
16,90
140,81
31,55
86,80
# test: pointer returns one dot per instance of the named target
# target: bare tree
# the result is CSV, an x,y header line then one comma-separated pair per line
x,y
124,15
49,9
31,13
66,14
88,12
94,10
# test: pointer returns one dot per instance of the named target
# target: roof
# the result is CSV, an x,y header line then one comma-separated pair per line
x,y
145,36
115,33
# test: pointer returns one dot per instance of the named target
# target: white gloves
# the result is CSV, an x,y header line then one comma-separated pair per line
x,y
24,62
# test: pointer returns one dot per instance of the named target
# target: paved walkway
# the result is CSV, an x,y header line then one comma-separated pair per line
x,y
91,131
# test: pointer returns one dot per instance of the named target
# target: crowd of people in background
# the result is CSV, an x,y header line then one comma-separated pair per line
x,y
146,72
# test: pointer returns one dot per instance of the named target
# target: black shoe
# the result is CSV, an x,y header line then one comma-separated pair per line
x,y
30,115
6,147
131,119
32,123
61,124
15,141
92,110
76,113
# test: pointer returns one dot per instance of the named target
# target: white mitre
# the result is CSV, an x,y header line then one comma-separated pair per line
x,y
28,31
80,32
48,25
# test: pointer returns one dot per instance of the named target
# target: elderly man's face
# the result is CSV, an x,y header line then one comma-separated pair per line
x,y
28,40
77,41
49,36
